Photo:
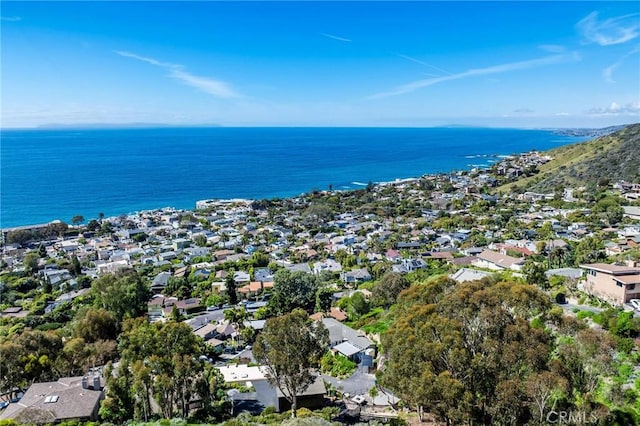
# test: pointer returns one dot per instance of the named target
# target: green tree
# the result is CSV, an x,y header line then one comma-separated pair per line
x,y
93,225
293,290
535,274
385,292
231,288
77,219
291,348
31,261
324,297
118,405
58,228
462,351
200,240
76,268
20,236
589,250
124,294
96,324
236,317
163,362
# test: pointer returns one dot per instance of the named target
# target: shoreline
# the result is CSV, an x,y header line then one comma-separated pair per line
x,y
311,170
361,186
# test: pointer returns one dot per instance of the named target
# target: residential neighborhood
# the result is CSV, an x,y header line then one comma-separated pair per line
x,y
219,270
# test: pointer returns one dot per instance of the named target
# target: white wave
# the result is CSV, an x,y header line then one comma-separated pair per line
x,y
359,183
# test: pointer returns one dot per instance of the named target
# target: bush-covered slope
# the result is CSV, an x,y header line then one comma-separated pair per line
x,y
613,157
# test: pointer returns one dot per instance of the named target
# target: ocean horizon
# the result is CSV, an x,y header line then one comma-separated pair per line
x,y
55,174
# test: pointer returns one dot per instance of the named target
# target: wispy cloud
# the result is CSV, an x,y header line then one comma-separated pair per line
x,y
418,61
616,109
335,37
495,69
523,111
609,31
147,60
607,73
562,114
10,18
208,85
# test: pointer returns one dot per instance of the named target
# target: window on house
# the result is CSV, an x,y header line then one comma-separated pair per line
x,y
51,399
631,287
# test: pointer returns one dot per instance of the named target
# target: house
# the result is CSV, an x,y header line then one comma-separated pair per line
x,y
263,274
14,312
304,267
180,243
439,255
219,287
160,281
311,398
254,288
613,283
392,255
189,306
356,276
328,265
70,398
207,332
466,274
265,394
337,314
497,261
632,212
241,277
347,341
409,265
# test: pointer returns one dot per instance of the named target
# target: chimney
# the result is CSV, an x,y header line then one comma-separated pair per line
x,y
85,382
96,382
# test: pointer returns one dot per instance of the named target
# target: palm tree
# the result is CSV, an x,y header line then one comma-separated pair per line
x,y
236,318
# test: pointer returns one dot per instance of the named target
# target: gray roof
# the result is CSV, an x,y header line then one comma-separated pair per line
x,y
466,274
55,401
304,267
631,210
574,273
347,349
339,332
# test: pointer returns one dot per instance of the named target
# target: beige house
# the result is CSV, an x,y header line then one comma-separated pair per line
x,y
613,283
497,261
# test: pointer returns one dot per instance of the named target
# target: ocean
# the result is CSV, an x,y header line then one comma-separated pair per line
x,y
57,174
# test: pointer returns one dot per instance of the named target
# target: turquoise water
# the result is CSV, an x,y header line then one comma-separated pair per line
x,y
56,174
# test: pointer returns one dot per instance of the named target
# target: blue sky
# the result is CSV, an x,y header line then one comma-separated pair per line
x,y
505,64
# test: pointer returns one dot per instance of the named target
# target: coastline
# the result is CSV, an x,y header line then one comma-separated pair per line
x,y
141,170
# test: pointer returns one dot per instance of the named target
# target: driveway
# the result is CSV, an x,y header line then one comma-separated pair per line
x,y
359,383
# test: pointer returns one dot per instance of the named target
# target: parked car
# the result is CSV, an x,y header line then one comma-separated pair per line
x,y
635,303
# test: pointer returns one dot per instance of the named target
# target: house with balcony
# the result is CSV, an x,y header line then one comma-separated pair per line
x,y
614,283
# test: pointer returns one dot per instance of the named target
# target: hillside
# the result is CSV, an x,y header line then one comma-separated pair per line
x,y
615,157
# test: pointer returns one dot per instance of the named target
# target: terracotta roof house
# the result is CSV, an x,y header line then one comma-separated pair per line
x,y
70,398
614,283
254,287
337,314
